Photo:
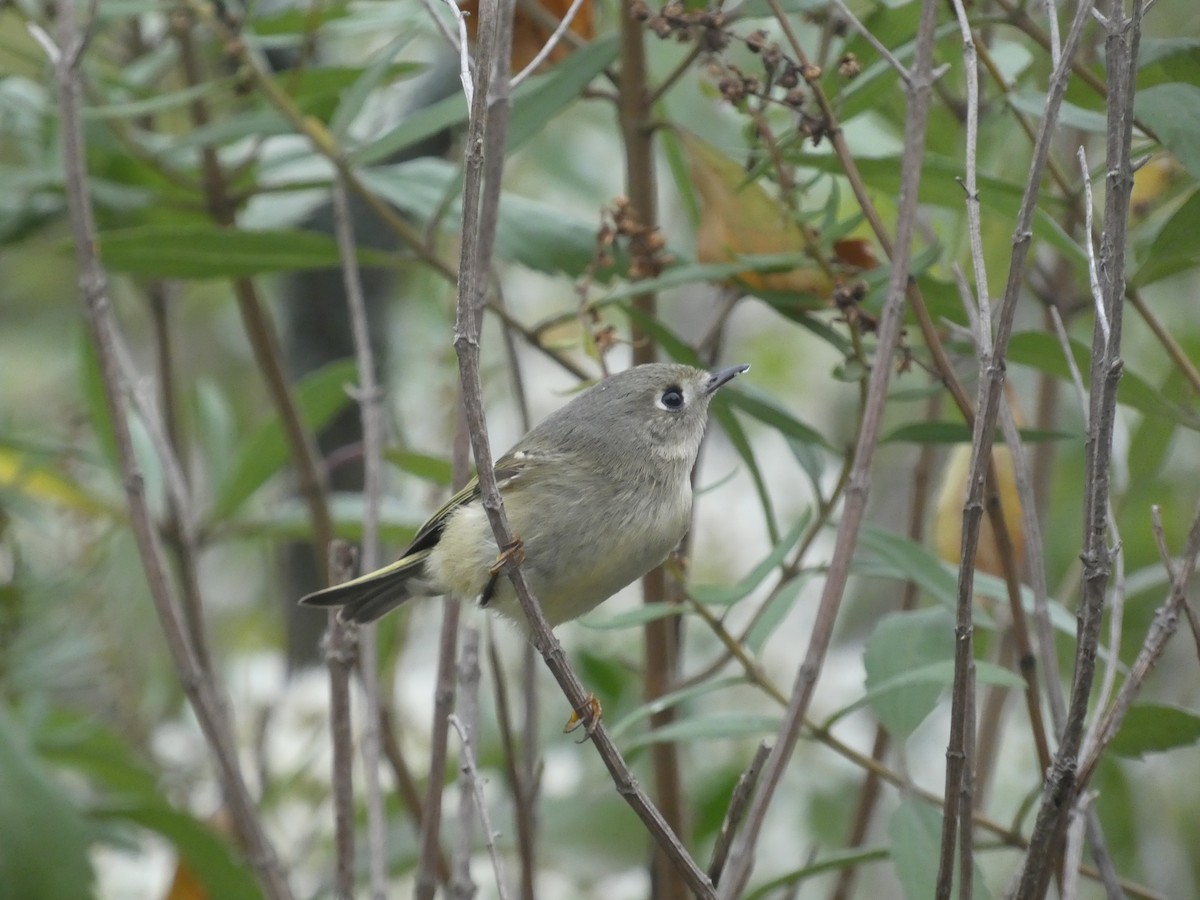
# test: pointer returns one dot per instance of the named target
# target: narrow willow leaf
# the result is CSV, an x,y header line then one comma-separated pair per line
x,y
939,674
1155,728
207,251
900,643
535,103
960,433
649,612
1175,248
1043,352
727,595
915,829
773,614
354,99
210,859
435,469
319,396
673,699
711,727
882,554
1173,111
44,853
832,862
756,404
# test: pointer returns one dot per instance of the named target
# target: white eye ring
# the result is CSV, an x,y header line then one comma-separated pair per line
x,y
671,400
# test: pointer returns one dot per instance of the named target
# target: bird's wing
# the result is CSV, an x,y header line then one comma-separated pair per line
x,y
508,469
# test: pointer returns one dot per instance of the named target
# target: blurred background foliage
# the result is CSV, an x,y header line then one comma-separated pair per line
x,y
762,256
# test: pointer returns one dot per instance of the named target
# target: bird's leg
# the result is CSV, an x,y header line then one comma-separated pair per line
x,y
514,550
588,716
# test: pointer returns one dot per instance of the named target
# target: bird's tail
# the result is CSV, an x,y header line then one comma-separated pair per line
x,y
369,596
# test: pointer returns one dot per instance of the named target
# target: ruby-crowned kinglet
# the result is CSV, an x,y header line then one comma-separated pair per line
x,y
599,494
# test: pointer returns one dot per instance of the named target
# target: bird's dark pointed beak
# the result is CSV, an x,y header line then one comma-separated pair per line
x,y
722,377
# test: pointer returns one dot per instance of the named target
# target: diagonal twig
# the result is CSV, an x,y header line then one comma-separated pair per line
x,y
487,129
200,688
742,860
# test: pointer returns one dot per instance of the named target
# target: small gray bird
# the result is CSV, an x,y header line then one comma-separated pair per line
x,y
599,494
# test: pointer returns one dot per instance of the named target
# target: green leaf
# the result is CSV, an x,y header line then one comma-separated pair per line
x,y
434,469
900,643
758,405
1174,248
1154,50
1155,728
158,103
231,127
39,477
716,726
535,103
533,233
209,858
640,615
831,862
43,837
773,613
727,595
1171,59
319,396
939,674
1043,352
74,741
882,554
1033,103
288,519
1173,111
549,94
685,273
354,99
960,433
940,186
95,401
915,829
207,251
319,91
737,438
673,699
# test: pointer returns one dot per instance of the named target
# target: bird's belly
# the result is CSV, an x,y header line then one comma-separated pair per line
x,y
571,568
581,572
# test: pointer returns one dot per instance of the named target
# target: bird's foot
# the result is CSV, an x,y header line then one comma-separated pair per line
x,y
514,550
588,716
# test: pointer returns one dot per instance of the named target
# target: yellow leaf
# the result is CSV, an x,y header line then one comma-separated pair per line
x,y
948,518
1151,183
739,218
20,473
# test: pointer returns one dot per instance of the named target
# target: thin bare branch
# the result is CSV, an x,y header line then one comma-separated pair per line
x,y
1166,621
470,771
876,44
370,403
470,791
202,691
340,654
738,800
742,859
552,42
1089,245
1064,782
484,166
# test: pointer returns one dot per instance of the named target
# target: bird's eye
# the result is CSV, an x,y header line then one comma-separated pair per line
x,y
672,399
